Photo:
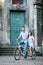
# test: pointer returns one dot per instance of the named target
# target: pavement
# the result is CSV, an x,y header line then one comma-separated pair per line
x,y
10,60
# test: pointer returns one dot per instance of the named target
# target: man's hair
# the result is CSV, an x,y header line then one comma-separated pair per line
x,y
23,26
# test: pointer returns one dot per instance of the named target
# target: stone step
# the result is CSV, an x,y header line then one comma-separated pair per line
x,y
7,51
10,51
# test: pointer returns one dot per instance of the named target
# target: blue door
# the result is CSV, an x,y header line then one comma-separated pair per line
x,y
16,22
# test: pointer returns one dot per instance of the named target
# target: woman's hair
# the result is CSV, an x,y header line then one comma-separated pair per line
x,y
30,32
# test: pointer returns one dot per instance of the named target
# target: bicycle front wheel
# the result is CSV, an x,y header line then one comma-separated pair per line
x,y
17,54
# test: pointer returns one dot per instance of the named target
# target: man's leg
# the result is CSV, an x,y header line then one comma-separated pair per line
x,y
21,44
26,50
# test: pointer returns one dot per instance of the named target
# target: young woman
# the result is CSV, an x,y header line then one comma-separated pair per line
x,y
31,42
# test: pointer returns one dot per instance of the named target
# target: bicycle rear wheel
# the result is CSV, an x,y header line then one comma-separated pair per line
x,y
34,54
17,54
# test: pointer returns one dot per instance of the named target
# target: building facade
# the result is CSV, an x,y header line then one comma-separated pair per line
x,y
16,13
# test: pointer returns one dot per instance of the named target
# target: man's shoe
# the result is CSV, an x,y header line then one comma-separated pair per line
x,y
25,57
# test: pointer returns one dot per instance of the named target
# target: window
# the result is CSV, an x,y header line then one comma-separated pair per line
x,y
17,1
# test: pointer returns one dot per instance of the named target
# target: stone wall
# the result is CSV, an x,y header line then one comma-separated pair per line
x,y
32,18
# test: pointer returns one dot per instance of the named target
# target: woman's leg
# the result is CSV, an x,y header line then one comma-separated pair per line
x,y
30,50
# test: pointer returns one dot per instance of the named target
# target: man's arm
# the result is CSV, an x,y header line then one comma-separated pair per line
x,y
26,36
19,37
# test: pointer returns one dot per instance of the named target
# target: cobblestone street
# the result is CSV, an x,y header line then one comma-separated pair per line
x,y
9,60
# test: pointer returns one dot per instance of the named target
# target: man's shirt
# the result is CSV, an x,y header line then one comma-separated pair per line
x,y
24,36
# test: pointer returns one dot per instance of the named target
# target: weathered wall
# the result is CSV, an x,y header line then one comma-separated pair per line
x,y
33,21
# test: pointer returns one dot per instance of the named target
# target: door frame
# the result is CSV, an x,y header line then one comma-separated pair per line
x,y
10,19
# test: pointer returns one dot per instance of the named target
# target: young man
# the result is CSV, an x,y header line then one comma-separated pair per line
x,y
24,35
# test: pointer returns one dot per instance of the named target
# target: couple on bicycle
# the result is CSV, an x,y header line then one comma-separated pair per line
x,y
27,40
